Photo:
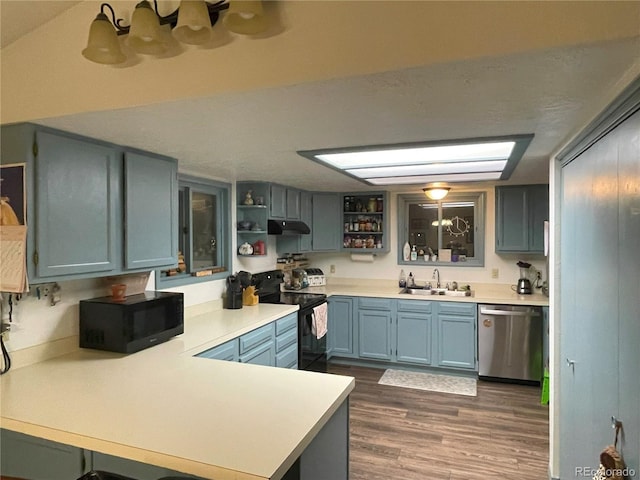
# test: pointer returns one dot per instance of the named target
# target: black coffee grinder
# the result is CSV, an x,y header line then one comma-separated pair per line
x,y
235,286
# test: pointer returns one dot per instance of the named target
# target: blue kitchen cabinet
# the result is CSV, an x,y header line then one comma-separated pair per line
x,y
321,213
286,331
293,204
228,351
326,229
284,202
521,211
24,456
375,328
340,334
278,201
274,345
78,207
414,334
264,354
457,340
258,347
411,332
151,210
306,215
92,212
299,243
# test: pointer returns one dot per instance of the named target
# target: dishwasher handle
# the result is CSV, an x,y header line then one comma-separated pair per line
x,y
508,313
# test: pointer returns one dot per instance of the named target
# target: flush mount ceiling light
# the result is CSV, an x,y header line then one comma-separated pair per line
x,y
465,160
436,192
191,23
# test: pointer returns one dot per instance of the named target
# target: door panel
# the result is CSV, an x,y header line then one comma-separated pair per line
x,y
151,198
629,288
589,327
78,206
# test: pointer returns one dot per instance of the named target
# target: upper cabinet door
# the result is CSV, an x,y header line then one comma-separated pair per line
x,y
520,215
151,201
326,231
293,204
278,204
77,206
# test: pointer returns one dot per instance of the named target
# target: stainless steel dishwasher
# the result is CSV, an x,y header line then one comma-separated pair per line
x,y
510,342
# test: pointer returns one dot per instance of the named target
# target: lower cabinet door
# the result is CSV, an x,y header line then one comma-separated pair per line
x,y
340,330
456,341
265,354
414,338
374,334
24,456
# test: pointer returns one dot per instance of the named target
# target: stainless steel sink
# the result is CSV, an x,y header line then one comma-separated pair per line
x,y
436,291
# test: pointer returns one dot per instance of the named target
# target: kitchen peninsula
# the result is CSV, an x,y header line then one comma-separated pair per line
x,y
165,407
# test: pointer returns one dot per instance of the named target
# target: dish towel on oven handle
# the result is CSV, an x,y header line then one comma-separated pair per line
x,y
319,322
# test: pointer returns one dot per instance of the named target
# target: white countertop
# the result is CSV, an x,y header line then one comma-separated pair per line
x,y
162,406
482,292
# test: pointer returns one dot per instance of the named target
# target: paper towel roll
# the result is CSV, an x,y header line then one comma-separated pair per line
x,y
362,257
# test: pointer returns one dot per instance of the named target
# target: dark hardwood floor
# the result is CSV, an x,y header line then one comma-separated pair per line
x,y
405,434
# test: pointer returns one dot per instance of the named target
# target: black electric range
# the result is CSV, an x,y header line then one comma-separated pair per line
x,y
312,351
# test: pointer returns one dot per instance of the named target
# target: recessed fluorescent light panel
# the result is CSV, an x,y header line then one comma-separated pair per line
x,y
470,160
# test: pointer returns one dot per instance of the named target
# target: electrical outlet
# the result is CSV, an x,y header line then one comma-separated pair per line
x,y
495,273
332,269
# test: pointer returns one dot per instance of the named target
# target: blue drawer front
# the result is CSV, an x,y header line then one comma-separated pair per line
x,y
286,340
288,358
375,303
257,337
457,308
227,351
420,306
263,355
287,323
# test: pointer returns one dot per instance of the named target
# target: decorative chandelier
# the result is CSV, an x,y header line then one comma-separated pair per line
x,y
191,23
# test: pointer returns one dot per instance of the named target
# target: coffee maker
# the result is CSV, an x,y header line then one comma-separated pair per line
x,y
523,287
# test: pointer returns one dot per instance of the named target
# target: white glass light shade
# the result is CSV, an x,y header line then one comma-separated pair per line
x,y
103,46
194,24
245,17
145,35
436,193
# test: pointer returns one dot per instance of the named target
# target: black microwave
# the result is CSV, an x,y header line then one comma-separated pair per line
x,y
132,324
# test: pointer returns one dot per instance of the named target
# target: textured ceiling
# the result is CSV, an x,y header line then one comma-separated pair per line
x,y
255,135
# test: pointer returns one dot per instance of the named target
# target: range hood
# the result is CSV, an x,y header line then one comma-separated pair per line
x,y
287,227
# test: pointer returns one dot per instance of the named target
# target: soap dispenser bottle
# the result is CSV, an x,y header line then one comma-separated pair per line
x,y
414,254
411,281
406,251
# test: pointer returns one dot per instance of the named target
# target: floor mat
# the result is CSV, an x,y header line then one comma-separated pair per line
x,y
430,381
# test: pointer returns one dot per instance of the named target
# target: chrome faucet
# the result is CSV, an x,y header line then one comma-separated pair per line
x,y
436,271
